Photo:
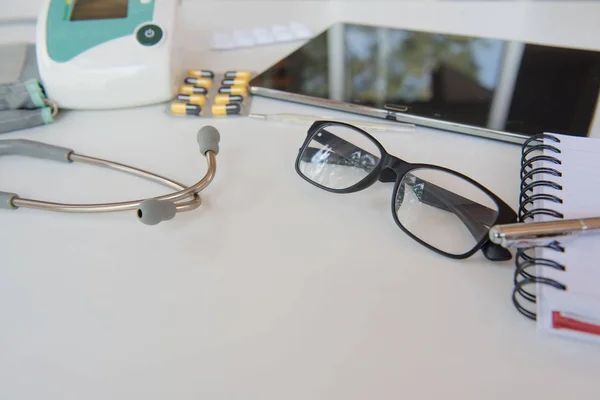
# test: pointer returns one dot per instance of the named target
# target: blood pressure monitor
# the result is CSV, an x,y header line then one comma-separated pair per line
x,y
101,54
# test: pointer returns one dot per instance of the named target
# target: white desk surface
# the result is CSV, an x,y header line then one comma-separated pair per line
x,y
273,289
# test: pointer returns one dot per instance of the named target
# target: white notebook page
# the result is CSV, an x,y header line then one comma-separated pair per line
x,y
580,194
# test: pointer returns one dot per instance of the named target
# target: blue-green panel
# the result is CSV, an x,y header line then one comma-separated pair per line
x,y
67,39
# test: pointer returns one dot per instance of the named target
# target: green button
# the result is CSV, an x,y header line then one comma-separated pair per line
x,y
149,35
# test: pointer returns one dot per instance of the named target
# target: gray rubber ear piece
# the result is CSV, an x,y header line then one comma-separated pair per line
x,y
152,211
208,138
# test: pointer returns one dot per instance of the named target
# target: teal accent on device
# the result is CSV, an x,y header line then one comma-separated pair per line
x,y
75,26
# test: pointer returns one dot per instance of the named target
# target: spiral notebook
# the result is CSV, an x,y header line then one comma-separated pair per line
x,y
559,285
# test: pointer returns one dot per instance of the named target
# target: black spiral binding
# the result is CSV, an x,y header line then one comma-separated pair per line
x,y
524,260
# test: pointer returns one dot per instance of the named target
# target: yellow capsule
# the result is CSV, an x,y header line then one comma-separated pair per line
x,y
204,82
238,74
191,89
192,98
227,98
239,90
234,82
183,108
201,73
226,109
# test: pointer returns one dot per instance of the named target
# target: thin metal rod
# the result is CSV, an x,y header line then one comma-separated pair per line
x,y
96,208
189,205
127,169
181,193
200,185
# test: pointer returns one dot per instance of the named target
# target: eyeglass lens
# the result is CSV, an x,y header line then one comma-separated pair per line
x,y
444,210
338,157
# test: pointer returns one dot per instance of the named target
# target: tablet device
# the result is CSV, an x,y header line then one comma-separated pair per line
x,y
500,89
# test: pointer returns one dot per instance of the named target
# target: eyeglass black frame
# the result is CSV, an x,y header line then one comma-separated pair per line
x,y
393,169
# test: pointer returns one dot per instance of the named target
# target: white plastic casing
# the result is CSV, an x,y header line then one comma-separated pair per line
x,y
118,73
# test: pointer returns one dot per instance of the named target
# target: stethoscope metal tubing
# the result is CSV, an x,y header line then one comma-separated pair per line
x,y
182,191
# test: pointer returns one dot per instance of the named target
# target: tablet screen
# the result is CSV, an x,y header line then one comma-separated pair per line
x,y
502,85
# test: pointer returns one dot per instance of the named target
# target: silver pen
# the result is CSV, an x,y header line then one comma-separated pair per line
x,y
535,234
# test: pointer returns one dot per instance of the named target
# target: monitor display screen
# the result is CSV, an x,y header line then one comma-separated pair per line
x,y
99,9
489,83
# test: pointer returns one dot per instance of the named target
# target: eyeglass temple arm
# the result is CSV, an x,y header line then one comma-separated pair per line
x,y
432,194
474,215
342,147
332,158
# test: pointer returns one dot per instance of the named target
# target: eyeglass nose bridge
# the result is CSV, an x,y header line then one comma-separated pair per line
x,y
391,167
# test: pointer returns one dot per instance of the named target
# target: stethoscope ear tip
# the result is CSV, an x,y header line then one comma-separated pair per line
x,y
153,211
208,139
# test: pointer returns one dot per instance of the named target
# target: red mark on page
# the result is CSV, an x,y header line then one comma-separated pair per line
x,y
563,321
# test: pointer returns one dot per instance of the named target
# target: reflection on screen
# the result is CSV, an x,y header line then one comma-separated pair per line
x,y
99,9
502,85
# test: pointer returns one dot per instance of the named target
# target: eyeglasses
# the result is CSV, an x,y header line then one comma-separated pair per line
x,y
442,209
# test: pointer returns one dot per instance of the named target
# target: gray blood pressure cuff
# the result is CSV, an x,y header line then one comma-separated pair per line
x,y
23,103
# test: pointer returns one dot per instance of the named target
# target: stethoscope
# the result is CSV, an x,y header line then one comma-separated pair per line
x,y
150,211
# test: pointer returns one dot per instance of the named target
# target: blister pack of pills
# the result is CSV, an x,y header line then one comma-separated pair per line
x,y
205,93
